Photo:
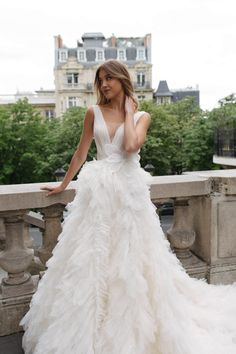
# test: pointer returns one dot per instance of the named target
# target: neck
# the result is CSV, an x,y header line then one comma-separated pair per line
x,y
117,103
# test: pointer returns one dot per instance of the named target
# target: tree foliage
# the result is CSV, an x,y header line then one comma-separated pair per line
x,y
180,138
22,133
160,148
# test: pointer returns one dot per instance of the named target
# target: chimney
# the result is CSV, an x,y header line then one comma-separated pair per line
x,y
147,40
113,40
58,42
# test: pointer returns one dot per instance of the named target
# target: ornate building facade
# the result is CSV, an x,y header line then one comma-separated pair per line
x,y
75,68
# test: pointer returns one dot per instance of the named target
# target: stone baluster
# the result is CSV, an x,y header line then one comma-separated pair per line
x,y
181,235
16,257
28,240
52,217
2,234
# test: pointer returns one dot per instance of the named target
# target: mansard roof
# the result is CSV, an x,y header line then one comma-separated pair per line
x,y
93,35
163,90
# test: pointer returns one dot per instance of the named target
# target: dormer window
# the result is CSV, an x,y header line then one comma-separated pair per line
x,y
141,54
121,54
100,55
63,55
81,55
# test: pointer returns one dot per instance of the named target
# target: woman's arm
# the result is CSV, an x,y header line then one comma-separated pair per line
x,y
80,154
134,136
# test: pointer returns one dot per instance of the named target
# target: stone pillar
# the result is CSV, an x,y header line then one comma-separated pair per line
x,y
182,237
52,217
15,258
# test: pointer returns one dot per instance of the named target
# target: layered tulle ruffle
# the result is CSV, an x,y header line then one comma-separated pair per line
x,y
113,285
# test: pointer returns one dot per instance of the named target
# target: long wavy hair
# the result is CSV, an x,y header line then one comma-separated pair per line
x,y
118,71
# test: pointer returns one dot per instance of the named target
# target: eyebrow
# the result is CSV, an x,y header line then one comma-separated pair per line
x,y
99,78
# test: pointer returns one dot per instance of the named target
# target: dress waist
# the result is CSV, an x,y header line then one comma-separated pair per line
x,y
112,154
118,158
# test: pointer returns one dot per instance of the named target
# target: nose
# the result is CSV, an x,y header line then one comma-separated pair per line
x,y
104,84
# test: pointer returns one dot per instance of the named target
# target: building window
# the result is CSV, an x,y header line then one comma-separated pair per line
x,y
121,54
72,79
72,101
140,54
140,79
164,100
99,55
63,55
49,113
81,55
141,97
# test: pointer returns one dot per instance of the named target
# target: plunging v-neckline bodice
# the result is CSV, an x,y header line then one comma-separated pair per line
x,y
106,127
107,147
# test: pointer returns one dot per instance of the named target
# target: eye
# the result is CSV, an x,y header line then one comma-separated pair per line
x,y
109,77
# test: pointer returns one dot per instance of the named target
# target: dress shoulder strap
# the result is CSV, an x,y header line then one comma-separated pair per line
x,y
96,112
138,115
95,108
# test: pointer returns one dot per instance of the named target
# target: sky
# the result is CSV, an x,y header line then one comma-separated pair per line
x,y
193,41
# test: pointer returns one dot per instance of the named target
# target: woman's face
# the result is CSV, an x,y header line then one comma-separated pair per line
x,y
109,86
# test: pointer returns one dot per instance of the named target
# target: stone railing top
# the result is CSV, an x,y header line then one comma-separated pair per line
x,y
223,181
229,173
177,186
29,196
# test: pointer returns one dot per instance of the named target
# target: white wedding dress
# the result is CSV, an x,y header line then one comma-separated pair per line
x,y
113,285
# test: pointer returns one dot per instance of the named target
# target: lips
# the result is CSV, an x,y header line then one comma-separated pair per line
x,y
107,93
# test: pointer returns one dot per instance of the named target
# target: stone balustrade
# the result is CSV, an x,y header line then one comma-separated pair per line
x,y
202,235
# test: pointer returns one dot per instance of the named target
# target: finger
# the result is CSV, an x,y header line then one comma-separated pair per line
x,y
46,188
50,193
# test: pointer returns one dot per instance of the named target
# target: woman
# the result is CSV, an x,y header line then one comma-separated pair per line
x,y
113,285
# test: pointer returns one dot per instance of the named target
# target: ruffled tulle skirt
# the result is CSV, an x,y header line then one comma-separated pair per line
x,y
114,286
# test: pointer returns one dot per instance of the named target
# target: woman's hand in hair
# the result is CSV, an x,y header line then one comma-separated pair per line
x,y
129,106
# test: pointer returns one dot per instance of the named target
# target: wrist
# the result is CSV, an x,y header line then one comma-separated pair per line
x,y
129,114
62,186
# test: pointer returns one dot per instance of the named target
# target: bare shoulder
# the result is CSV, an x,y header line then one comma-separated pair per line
x,y
89,115
144,119
90,111
146,115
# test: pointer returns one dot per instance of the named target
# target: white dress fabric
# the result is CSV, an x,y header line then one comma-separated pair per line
x,y
113,285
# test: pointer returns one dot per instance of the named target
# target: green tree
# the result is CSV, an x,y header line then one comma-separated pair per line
x,y
184,110
22,143
62,140
162,141
180,137
225,115
198,144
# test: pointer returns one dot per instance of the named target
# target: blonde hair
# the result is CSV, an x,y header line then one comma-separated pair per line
x,y
118,71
